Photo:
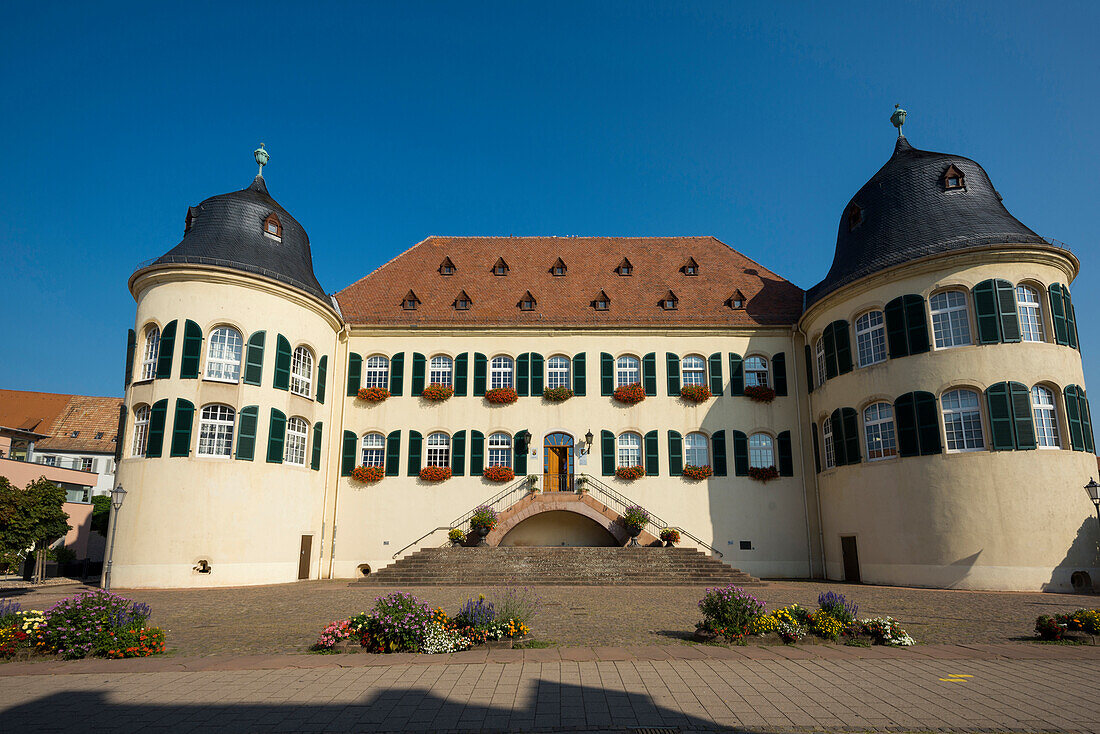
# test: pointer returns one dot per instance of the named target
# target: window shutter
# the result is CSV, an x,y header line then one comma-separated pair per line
x,y
830,351
417,386
1057,314
717,384
786,456
986,313
481,366
397,374
905,417
652,462
519,458
246,432
462,368
1006,307
537,372
167,346
607,452
276,435
1085,414
851,435
322,374
523,374
393,454
181,429
192,348
607,374
672,367
718,448
1071,318
120,433
649,374
282,363
415,441
347,453
579,374
843,347
1020,398
896,333
157,416
131,347
254,359
1000,417
740,454
458,454
1073,417
840,446
916,324
817,449
779,373
928,423
809,369
315,464
477,453
675,454
737,375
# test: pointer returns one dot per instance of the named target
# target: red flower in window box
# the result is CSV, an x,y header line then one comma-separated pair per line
x,y
695,393
763,473
557,394
698,472
631,394
373,394
367,474
498,473
760,393
630,473
501,395
437,393
435,473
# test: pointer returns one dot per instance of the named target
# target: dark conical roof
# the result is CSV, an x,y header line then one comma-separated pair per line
x,y
228,231
905,213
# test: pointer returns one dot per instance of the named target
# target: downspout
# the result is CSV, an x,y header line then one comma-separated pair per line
x,y
817,489
338,423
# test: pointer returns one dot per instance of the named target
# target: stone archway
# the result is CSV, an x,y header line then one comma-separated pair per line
x,y
579,504
558,528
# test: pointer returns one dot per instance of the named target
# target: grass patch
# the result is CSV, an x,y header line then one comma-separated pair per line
x,y
534,645
856,642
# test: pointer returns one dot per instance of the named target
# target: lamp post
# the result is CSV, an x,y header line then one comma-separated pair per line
x,y
1094,494
588,438
118,494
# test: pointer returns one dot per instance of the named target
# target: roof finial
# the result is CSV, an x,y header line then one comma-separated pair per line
x,y
261,157
898,119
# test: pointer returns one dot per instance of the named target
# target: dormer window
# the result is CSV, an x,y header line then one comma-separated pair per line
x,y
447,267
855,216
625,268
601,302
953,179
273,228
690,267
736,301
500,267
410,302
191,214
74,434
463,302
669,301
558,268
527,303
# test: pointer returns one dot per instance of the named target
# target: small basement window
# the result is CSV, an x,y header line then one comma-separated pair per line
x,y
953,179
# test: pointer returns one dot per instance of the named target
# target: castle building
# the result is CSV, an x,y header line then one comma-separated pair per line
x,y
916,418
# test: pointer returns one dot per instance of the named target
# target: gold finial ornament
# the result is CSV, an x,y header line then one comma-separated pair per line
x,y
261,157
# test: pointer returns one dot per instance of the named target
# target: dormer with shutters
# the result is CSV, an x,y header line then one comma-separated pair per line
x,y
669,301
192,212
855,216
500,267
601,302
625,268
273,228
558,268
736,301
690,267
462,302
527,303
410,302
953,179
446,267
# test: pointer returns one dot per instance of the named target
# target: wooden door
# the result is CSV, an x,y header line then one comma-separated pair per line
x,y
304,557
554,469
851,559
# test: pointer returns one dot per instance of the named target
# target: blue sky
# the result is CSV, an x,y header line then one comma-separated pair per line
x,y
390,122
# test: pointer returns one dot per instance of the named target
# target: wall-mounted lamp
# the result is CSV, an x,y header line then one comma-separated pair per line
x,y
587,446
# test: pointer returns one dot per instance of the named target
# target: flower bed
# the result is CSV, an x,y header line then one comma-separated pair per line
x,y
373,394
557,394
695,393
760,393
629,394
498,473
630,473
670,535
1059,626
501,395
437,393
435,473
698,472
763,473
367,474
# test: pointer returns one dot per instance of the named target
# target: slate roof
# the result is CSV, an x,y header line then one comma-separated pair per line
x,y
907,214
567,300
227,230
59,416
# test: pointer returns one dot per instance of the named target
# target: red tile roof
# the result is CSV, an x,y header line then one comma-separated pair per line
x,y
59,416
566,300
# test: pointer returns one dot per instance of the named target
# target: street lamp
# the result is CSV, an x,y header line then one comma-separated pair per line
x,y
118,494
1094,494
588,438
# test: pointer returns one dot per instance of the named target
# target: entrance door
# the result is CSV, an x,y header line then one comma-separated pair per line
x,y
851,559
557,464
304,557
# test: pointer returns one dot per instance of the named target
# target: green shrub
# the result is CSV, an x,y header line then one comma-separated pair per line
x,y
729,610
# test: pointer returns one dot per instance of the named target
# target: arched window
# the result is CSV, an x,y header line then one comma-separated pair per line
x,y
950,319
878,427
761,451
557,372
301,372
141,430
695,450
693,370
1046,417
628,371
216,431
500,450
151,352
441,371
871,338
827,436
439,450
374,449
377,372
297,431
756,371
500,372
630,449
1031,314
223,356
962,420
819,351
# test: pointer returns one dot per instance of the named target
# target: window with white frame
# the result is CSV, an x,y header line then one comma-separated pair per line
x,y
950,319
374,449
439,450
962,420
297,433
878,427
693,370
377,373
628,371
442,369
141,430
500,450
695,450
500,372
819,351
1031,313
756,371
1046,417
630,449
223,355
301,372
871,338
761,451
827,438
216,431
151,352
557,372
87,463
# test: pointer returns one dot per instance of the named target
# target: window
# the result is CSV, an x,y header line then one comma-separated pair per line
x,y
216,431
410,301
962,420
1046,417
695,450
273,227
223,356
463,302
669,304
500,450
439,450
625,268
440,372
301,372
819,352
296,432
557,372
878,427
558,268
49,460
693,370
98,435
871,338
950,320
374,449
855,217
1031,315
152,351
630,449
628,371
602,302
500,267
690,267
447,267
141,430
756,372
500,372
87,464
528,302
736,301
378,372
953,178
830,450
761,451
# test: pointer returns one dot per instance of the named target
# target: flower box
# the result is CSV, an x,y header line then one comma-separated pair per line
x,y
763,473
437,393
630,473
435,473
498,473
373,394
760,393
501,395
367,474
557,394
698,472
631,394
695,393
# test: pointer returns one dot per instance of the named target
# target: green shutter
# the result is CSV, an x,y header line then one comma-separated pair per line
x,y
607,452
840,446
817,449
481,366
896,333
282,363
779,373
246,432
322,374
276,435
458,454
649,374
607,374
397,374
986,313
167,346
1023,424
851,435
786,455
829,336
462,370
131,347
158,414
120,431
348,450
415,442
905,419
652,462
809,369
1006,308
1057,314
740,454
672,367
1071,318
355,374
523,374
718,453
519,458
675,454
1085,414
1000,417
737,374
579,374
843,347
181,428
192,349
418,366
928,423
537,371
717,384
916,324
477,453
315,464
254,359
393,454
1073,417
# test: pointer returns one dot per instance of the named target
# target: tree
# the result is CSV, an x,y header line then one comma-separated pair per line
x,y
101,514
30,518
